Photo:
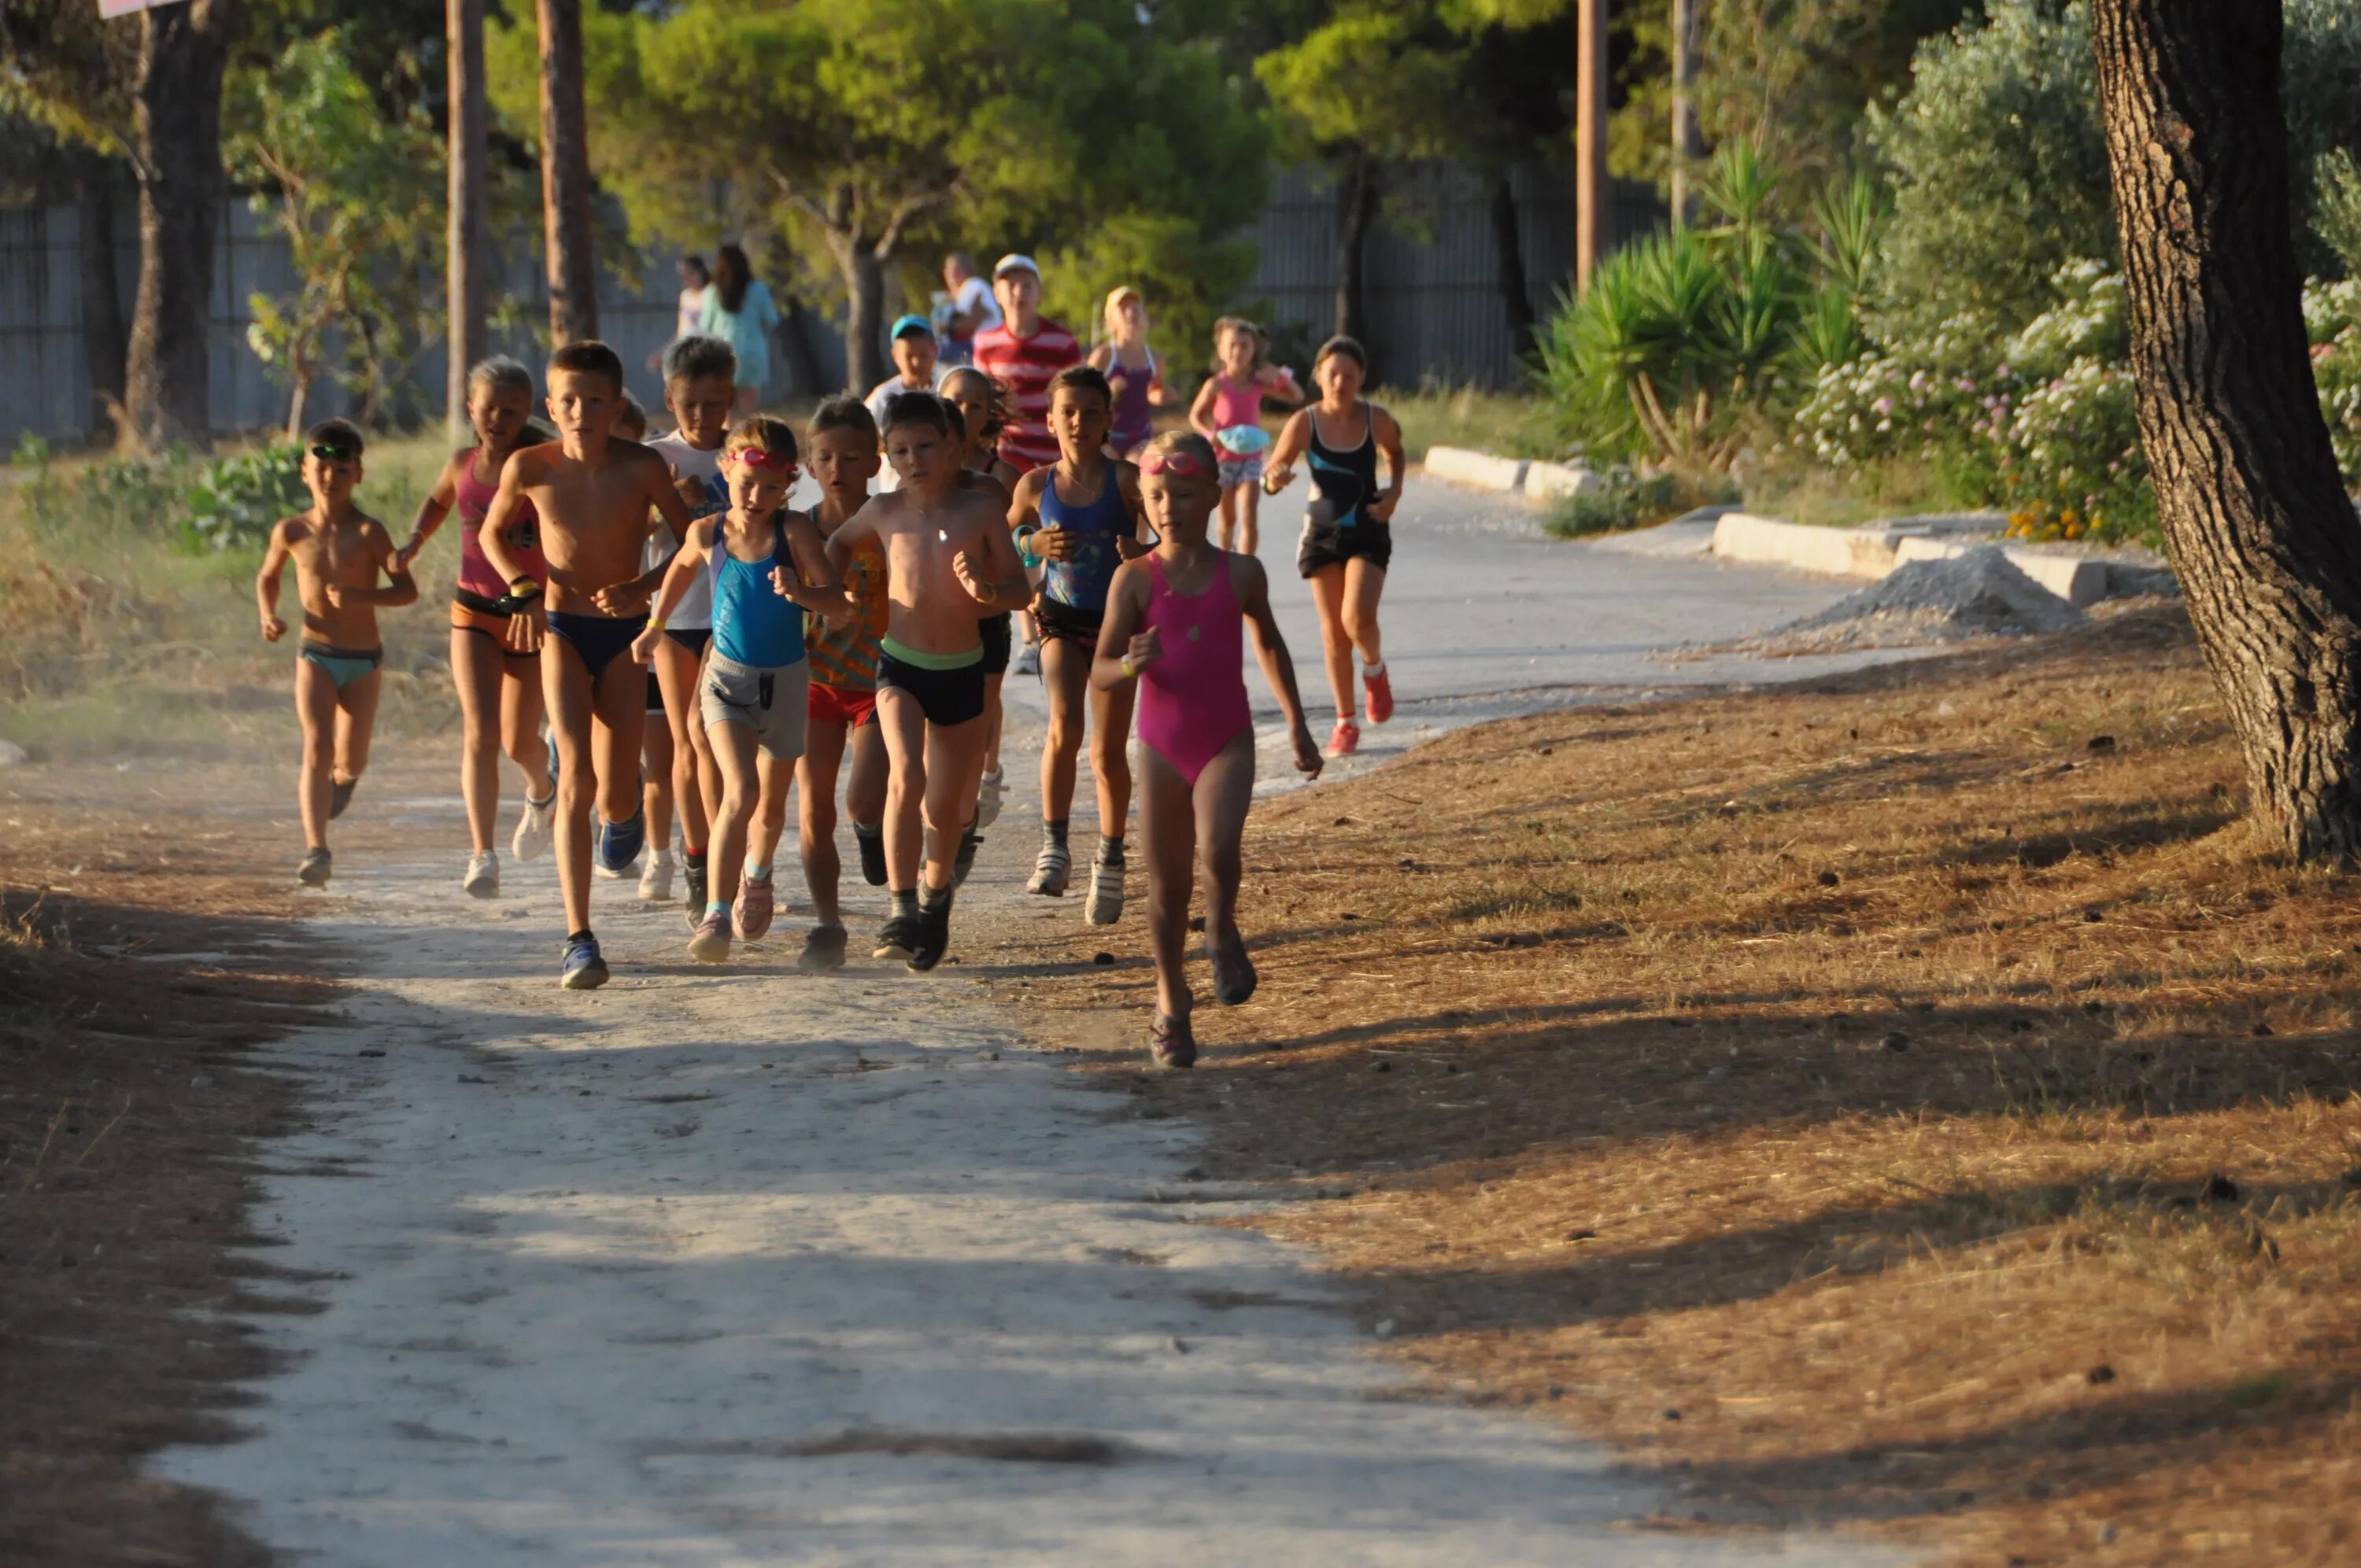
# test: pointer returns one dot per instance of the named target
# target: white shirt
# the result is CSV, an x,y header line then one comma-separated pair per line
x,y
695,611
885,392
973,299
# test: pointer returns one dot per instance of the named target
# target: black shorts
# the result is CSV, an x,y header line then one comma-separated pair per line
x,y
1325,544
945,697
655,693
993,630
693,638
1062,622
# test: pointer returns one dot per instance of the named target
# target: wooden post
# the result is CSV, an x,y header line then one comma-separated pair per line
x,y
1688,17
463,258
1590,143
566,175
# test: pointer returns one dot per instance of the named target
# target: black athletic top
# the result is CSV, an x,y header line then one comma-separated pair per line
x,y
1343,482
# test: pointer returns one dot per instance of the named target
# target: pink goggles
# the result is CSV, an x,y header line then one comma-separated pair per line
x,y
755,457
1183,464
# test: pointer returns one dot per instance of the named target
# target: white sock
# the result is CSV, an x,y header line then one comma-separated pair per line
x,y
1378,669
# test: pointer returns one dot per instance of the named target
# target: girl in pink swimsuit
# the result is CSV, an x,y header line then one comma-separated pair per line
x,y
1228,412
1174,623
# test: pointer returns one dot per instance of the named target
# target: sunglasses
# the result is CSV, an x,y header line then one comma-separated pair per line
x,y
328,454
1183,464
754,457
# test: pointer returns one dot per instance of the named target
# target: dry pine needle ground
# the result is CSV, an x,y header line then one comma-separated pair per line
x,y
1914,1101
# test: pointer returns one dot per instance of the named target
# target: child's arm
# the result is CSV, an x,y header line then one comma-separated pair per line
x,y
1102,356
632,593
678,572
1025,526
435,508
1253,589
1293,438
813,584
861,525
1389,442
997,581
401,587
1159,394
266,583
493,532
1201,409
1277,384
1123,650
1142,537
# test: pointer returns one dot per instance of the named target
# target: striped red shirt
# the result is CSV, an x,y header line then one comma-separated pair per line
x,y
1026,366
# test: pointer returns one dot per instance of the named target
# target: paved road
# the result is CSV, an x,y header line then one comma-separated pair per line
x,y
735,1266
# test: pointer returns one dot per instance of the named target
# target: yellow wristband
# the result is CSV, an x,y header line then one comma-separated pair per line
x,y
1129,673
655,623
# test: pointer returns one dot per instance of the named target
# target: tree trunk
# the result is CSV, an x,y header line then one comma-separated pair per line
x,y
176,125
1589,141
465,270
2261,532
1689,18
1357,205
566,175
1508,243
104,345
864,294
795,337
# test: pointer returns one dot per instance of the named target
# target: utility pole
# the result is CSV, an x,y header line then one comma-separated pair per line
x,y
566,175
1688,26
1589,142
464,259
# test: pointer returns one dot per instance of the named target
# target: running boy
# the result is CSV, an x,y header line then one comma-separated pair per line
x,y
914,352
1132,369
500,688
983,411
1172,626
591,492
764,566
1348,536
949,561
338,554
1228,412
842,448
700,387
1022,354
1081,515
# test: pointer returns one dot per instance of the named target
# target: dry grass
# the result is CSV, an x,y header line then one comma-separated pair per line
x,y
1916,1101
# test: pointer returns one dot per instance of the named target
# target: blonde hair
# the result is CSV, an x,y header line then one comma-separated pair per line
x,y
1186,443
762,433
1112,309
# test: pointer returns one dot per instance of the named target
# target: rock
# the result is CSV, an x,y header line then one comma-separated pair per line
x,y
1671,1415
13,755
1196,922
2219,1189
1897,1041
1101,958
372,1051
1385,1328
2103,1373
1383,1067
201,1080
1830,879
2264,1031
2100,743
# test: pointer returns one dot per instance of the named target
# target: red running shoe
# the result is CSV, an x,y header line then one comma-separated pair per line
x,y
754,902
1344,740
1380,689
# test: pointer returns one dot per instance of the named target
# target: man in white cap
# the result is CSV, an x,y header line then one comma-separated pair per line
x,y
1022,353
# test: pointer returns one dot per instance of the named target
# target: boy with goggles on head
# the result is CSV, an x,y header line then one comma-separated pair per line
x,y
762,565
337,554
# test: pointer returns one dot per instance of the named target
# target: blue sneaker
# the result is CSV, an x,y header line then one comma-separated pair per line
x,y
618,844
583,969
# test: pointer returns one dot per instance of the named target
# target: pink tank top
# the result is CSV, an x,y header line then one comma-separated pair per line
x,y
476,573
1235,404
1193,700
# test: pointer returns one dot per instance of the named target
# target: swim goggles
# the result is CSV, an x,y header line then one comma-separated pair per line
x,y
757,459
1183,464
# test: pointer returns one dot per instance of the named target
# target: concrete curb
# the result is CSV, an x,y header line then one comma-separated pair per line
x,y
1550,480
1479,469
2078,582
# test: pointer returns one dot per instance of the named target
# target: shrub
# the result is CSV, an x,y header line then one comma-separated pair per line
x,y
1624,499
235,500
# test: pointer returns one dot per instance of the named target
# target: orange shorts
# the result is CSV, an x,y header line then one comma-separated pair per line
x,y
830,706
496,627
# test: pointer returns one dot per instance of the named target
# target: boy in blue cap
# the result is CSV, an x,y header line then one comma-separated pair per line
x,y
915,361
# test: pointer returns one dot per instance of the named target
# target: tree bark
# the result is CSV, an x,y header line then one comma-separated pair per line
x,y
1356,206
464,267
2260,530
176,128
1589,141
105,345
864,296
566,175
1509,243
795,337
1688,147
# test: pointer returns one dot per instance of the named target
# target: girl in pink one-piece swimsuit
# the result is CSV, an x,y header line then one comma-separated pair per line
x,y
1175,620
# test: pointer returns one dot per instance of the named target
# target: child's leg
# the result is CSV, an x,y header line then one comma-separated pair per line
x,y
521,706
1363,584
1328,597
733,750
815,773
676,671
992,715
620,715
315,706
566,690
1065,676
954,764
1249,518
1226,521
656,782
355,725
1111,756
865,780
769,824
476,674
1168,821
1224,792
905,724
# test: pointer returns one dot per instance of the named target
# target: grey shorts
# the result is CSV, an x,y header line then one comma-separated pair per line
x,y
772,703
1246,470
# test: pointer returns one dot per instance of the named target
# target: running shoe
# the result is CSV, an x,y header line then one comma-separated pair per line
x,y
1379,690
899,938
1050,870
340,795
692,907
1028,661
753,906
711,943
1170,1044
1344,740
313,872
1103,906
987,799
964,862
934,935
655,878
823,951
532,829
583,968
872,853
483,878
1234,973
616,845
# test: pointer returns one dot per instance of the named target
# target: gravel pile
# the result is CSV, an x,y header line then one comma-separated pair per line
x,y
1980,594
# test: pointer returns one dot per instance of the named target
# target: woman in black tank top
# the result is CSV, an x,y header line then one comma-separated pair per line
x,y
1347,540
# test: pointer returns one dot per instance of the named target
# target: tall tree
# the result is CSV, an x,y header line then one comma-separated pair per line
x,y
2261,532
566,174
467,272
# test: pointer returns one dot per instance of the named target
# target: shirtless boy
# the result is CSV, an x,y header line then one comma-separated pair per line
x,y
337,554
949,562
592,491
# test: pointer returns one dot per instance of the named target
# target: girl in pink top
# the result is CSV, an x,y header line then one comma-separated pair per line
x,y
500,688
1174,623
1228,412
